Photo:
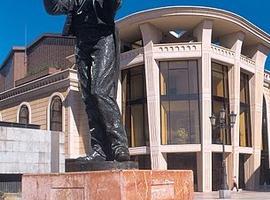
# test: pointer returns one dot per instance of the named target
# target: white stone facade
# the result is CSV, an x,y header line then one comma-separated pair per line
x,y
31,151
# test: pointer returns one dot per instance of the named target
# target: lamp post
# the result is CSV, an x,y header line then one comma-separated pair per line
x,y
224,192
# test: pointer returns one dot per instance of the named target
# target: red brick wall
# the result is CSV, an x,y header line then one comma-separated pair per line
x,y
19,65
50,52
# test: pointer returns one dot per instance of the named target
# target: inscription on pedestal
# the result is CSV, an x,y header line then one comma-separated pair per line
x,y
162,190
67,193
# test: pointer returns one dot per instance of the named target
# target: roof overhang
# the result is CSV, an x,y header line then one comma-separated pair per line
x,y
188,17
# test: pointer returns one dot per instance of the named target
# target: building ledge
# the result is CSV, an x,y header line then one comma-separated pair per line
x,y
182,148
39,84
18,125
139,150
36,76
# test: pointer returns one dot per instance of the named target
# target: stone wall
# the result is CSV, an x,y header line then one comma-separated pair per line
x,y
31,151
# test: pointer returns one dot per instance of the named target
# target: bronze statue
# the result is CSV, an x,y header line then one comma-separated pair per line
x,y
97,58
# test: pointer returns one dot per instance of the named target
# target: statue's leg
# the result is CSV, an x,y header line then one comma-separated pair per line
x,y
105,71
97,130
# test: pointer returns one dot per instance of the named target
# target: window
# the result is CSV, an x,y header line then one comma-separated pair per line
x,y
144,161
175,162
244,123
56,122
24,115
134,104
264,168
220,99
179,103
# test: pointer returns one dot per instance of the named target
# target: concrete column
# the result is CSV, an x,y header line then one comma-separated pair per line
x,y
203,33
151,35
77,140
259,54
234,42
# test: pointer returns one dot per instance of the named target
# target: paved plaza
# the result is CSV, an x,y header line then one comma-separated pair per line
x,y
245,195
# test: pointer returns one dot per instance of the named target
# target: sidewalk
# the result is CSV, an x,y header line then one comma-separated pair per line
x,y
244,195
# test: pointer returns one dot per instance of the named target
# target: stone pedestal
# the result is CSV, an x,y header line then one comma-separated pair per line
x,y
110,185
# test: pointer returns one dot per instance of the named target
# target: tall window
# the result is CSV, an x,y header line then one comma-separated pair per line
x,y
56,114
134,103
220,99
24,115
179,103
264,168
244,126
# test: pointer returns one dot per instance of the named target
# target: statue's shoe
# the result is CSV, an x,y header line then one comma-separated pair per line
x,y
94,156
122,154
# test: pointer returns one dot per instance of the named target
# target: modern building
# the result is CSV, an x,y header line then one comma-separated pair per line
x,y
178,66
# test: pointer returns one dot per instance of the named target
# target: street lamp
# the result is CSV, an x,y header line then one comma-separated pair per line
x,y
224,192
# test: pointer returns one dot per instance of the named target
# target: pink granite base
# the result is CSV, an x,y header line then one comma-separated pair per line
x,y
110,185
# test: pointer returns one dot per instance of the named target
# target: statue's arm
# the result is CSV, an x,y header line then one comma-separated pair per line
x,y
58,7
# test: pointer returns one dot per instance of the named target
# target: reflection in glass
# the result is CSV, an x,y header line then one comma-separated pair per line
x,y
220,99
24,115
134,106
56,114
179,103
264,168
244,120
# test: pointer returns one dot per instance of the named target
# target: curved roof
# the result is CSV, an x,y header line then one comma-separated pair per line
x,y
187,17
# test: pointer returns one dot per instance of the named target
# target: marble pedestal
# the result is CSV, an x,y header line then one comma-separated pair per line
x,y
110,185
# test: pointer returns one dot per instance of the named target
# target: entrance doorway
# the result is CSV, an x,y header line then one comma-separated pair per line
x,y
241,180
216,171
184,161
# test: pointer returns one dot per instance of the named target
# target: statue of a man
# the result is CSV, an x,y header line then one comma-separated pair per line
x,y
97,58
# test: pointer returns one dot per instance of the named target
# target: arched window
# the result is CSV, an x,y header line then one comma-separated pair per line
x,y
56,114
24,115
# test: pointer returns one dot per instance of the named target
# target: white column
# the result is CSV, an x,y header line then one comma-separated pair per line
x,y
259,54
151,35
73,133
203,33
234,42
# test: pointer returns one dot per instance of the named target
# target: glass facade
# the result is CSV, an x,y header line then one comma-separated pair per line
x,y
134,106
144,161
184,161
24,115
264,168
220,99
244,122
56,114
179,102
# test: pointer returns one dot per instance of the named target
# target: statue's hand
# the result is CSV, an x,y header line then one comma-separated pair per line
x,y
58,7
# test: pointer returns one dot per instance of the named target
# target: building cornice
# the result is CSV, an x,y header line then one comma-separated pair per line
x,y
38,87
148,15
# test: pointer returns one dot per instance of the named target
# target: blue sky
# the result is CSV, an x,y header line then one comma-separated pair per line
x,y
15,15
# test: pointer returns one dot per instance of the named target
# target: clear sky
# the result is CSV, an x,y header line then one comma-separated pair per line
x,y
15,15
